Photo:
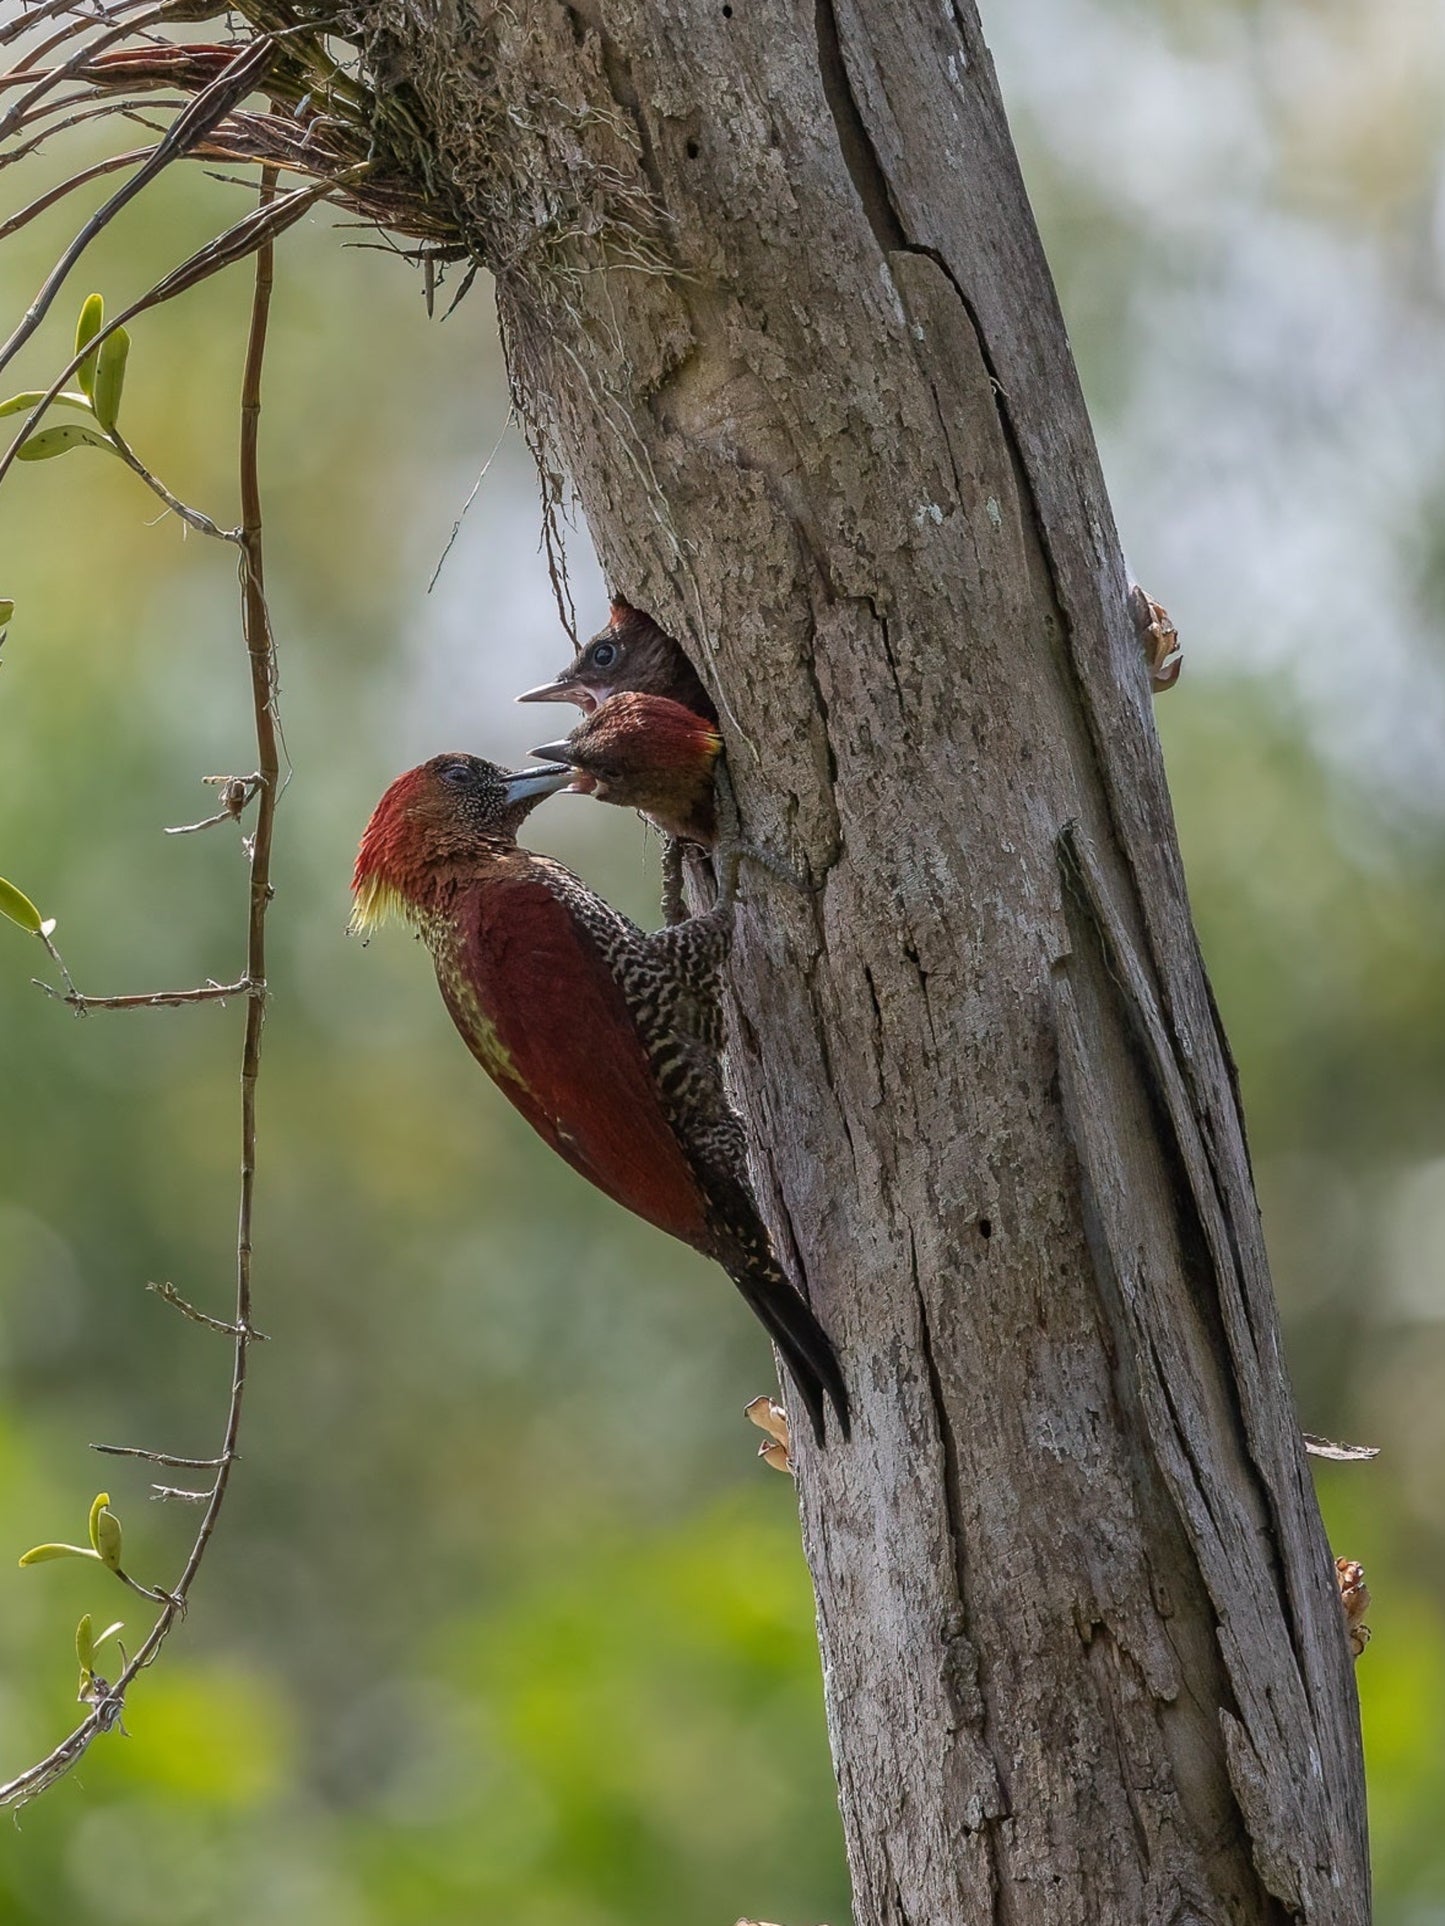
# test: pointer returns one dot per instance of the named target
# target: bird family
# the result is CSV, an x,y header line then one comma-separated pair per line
x,y
606,1037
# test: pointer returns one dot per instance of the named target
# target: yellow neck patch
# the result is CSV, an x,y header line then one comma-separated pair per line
x,y
377,902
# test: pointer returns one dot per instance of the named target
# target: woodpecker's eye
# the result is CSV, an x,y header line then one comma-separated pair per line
x,y
457,774
604,654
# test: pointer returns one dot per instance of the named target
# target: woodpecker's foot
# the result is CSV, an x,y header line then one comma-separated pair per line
x,y
1158,638
768,1415
1355,1598
776,867
674,908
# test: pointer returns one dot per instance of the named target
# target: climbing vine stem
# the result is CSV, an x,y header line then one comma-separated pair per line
x,y
107,1700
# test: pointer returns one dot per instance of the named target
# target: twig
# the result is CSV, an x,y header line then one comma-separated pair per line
x,y
152,999
170,1295
457,524
159,1457
182,1492
192,517
239,791
59,961
157,1593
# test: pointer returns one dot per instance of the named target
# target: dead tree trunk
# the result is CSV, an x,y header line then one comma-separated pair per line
x,y
774,302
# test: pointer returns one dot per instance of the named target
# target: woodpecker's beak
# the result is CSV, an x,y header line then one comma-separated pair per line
x,y
553,752
562,689
527,783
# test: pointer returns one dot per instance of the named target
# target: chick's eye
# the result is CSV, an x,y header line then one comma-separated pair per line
x,y
457,774
604,655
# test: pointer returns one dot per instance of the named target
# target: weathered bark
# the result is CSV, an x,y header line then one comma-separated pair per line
x,y
774,301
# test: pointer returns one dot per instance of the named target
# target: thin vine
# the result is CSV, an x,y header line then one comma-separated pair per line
x,y
106,1700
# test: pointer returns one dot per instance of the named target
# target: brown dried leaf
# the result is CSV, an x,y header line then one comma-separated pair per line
x,y
768,1415
1355,1598
1159,639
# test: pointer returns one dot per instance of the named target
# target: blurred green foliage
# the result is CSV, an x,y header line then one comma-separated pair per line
x,y
503,1622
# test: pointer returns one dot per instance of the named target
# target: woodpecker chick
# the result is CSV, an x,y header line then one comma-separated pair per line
x,y
606,1039
631,653
646,752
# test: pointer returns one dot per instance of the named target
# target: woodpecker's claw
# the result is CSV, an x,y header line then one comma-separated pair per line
x,y
768,1415
731,851
1158,638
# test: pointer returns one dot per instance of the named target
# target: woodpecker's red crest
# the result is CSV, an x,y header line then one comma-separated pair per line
x,y
645,752
430,824
631,653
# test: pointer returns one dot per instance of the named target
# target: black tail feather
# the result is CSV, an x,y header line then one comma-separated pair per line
x,y
806,1348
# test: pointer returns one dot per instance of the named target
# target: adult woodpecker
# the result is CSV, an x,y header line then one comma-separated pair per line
x,y
632,652
605,1038
649,753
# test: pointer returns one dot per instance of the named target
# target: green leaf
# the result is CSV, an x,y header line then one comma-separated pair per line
x,y
86,1647
18,907
22,404
42,1554
7,609
47,442
110,377
105,1532
92,320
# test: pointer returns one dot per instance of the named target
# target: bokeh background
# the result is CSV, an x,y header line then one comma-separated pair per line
x,y
504,1623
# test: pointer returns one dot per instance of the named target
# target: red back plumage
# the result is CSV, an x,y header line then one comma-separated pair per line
x,y
540,1010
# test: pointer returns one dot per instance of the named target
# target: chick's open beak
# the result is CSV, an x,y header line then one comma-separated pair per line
x,y
563,688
